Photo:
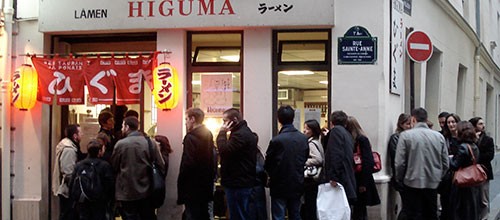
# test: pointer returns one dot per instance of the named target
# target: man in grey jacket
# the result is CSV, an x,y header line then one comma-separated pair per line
x,y
66,158
421,162
131,161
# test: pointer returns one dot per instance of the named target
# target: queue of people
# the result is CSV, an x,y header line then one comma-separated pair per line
x,y
424,162
115,178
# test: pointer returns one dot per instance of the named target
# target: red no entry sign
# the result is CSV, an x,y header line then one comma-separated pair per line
x,y
419,46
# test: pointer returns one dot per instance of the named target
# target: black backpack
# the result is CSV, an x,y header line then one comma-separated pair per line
x,y
87,184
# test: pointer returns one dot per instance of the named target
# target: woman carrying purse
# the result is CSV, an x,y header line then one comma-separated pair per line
x,y
366,190
312,131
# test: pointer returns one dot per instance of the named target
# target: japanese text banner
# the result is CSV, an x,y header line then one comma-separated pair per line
x,y
128,81
45,69
69,81
99,78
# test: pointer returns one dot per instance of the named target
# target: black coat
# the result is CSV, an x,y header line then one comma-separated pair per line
x,y
464,201
285,159
198,167
339,161
486,153
238,157
391,146
365,178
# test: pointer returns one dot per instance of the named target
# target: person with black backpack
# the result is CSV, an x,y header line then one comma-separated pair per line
x,y
92,185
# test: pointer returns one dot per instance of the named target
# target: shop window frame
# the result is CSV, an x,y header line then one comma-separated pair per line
x,y
198,49
212,67
307,63
278,66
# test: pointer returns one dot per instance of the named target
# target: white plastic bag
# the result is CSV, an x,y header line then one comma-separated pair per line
x,y
332,203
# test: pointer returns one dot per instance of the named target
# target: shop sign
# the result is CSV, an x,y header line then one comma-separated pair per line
x,y
397,48
61,77
357,47
65,78
162,14
216,93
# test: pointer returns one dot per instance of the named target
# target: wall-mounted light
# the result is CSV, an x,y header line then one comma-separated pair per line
x,y
24,87
324,82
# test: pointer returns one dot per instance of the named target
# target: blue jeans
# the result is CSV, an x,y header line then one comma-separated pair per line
x,y
279,206
237,202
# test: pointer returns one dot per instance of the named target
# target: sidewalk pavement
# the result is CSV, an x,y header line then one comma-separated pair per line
x,y
495,198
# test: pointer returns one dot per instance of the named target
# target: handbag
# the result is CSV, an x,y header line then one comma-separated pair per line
x,y
471,175
358,162
157,185
332,203
312,171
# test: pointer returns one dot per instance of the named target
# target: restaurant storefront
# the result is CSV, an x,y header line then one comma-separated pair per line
x,y
317,56
253,56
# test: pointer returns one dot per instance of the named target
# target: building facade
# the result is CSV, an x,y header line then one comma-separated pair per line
x,y
253,55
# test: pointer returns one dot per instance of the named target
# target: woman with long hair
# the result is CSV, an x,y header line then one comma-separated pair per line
x,y
367,193
450,134
404,123
312,130
464,201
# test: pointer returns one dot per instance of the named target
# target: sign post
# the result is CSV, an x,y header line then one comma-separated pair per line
x,y
419,49
419,46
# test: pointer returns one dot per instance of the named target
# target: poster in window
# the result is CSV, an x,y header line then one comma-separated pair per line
x,y
216,93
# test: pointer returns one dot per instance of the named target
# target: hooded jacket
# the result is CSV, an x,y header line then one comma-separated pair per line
x,y
67,155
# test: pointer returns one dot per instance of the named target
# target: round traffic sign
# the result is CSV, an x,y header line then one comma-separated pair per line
x,y
419,46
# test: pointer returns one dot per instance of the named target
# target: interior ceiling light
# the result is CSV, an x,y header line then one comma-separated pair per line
x,y
232,58
196,82
324,82
297,72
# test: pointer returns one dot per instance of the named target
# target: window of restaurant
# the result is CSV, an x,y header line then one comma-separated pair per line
x,y
214,74
302,72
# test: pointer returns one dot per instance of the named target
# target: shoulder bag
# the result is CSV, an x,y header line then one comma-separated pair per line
x,y
313,171
472,175
157,185
358,162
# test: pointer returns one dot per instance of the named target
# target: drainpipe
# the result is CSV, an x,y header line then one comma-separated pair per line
x,y
5,77
477,59
477,85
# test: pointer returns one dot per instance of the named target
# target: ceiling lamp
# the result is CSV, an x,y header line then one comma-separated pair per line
x,y
297,72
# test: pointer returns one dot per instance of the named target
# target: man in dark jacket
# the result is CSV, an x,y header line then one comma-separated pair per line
x,y
96,209
107,123
195,184
131,162
339,159
285,159
238,162
486,153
